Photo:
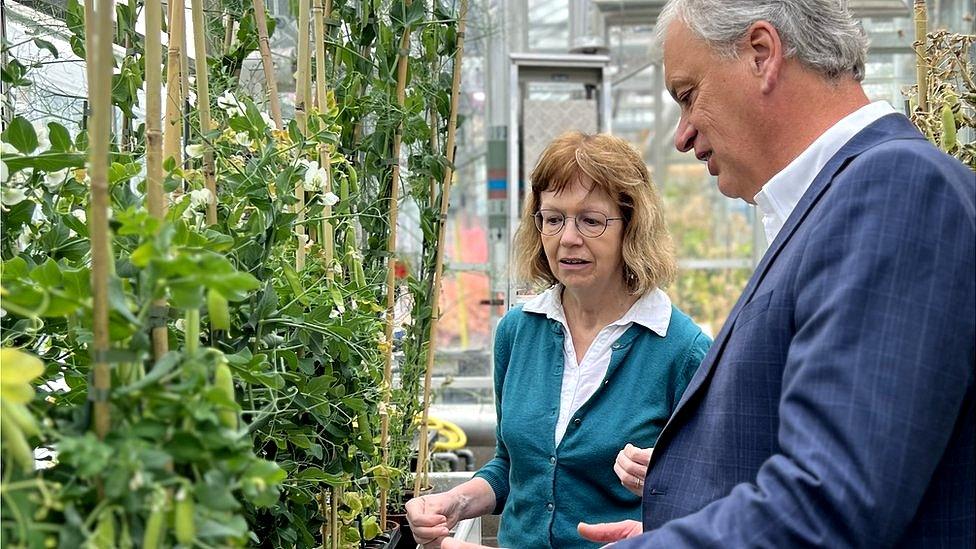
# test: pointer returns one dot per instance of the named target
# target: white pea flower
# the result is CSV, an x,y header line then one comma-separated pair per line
x,y
23,240
53,180
80,215
330,199
195,151
40,128
267,120
242,139
37,216
315,177
192,98
230,104
7,148
13,195
200,197
4,172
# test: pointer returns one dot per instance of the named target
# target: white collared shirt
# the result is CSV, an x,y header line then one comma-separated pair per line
x,y
781,194
581,378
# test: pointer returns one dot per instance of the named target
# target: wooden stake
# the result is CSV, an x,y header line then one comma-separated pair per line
x,y
921,61
301,119
327,239
203,106
100,59
420,478
155,195
391,242
172,131
261,23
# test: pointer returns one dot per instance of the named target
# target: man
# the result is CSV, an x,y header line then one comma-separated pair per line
x,y
836,406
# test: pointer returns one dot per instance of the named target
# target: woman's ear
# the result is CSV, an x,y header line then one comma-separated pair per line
x,y
764,51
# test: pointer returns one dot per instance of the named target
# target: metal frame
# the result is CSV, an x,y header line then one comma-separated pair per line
x,y
535,67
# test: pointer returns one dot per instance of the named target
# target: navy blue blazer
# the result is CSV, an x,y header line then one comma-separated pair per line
x,y
835,408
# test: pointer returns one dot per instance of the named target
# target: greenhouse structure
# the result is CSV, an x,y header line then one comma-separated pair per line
x,y
261,262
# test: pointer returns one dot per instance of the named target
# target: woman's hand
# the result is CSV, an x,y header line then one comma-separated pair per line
x,y
631,467
431,517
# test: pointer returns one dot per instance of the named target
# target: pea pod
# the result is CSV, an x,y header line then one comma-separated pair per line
x,y
19,414
15,443
183,521
948,128
104,535
219,311
224,382
353,180
153,534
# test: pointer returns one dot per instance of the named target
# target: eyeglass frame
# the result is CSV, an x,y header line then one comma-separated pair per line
x,y
537,221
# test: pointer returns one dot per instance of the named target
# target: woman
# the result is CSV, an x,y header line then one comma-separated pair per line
x,y
597,361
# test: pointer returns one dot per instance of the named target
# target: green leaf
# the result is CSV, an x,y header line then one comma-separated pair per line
x,y
45,45
48,274
47,161
314,474
20,133
59,137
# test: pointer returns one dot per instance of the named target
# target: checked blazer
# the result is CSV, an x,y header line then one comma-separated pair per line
x,y
836,405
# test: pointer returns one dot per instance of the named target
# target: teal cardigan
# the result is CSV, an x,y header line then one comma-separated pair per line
x,y
543,491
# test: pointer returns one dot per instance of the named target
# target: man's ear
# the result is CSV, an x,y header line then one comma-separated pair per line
x,y
764,50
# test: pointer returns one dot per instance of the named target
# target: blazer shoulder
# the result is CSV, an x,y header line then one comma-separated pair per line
x,y
915,166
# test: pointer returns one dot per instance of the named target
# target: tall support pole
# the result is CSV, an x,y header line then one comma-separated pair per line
x,y
155,195
261,23
100,60
921,63
420,478
203,106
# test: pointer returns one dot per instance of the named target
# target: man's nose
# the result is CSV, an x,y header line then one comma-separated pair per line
x,y
684,136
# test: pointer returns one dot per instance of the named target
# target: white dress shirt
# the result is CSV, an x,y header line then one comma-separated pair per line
x,y
780,194
581,378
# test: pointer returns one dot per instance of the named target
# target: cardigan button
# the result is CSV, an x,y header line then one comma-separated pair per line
x,y
549,507
577,422
552,460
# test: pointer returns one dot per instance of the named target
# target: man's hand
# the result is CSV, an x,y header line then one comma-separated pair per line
x,y
609,532
631,467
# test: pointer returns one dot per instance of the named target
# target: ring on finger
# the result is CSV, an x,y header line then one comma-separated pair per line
x,y
640,482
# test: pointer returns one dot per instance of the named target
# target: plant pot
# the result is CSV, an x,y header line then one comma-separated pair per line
x,y
391,539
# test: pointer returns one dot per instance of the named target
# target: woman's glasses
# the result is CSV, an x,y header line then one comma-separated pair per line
x,y
589,224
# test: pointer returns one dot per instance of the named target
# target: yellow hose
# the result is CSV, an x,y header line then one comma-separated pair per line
x,y
449,435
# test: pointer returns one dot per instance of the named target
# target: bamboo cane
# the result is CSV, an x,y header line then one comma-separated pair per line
x,y
402,61
155,195
99,48
301,119
203,106
261,23
228,32
921,62
324,10
174,104
420,478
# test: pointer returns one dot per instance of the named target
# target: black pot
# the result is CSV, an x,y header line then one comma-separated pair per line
x,y
387,540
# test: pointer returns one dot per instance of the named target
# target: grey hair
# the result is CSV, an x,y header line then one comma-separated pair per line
x,y
821,34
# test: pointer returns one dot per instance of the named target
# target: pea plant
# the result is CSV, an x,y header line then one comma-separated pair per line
x,y
246,397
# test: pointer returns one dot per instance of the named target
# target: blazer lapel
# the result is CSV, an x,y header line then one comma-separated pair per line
x,y
892,126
